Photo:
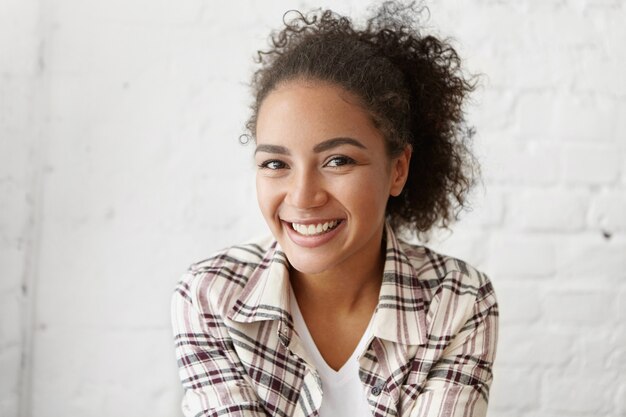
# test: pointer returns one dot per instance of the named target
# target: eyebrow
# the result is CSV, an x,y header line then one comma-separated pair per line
x,y
272,149
320,147
335,142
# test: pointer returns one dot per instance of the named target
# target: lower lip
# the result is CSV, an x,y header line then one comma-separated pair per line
x,y
312,241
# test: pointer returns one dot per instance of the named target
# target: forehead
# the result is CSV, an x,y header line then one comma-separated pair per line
x,y
311,110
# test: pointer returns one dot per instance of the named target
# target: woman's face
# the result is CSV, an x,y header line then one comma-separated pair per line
x,y
323,176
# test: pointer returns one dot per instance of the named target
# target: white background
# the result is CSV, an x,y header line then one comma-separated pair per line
x,y
120,165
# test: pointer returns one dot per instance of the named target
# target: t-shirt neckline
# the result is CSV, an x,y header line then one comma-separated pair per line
x,y
348,368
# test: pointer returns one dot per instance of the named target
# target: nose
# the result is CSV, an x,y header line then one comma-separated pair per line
x,y
306,190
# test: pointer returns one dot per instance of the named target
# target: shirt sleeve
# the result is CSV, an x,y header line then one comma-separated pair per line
x,y
458,383
213,383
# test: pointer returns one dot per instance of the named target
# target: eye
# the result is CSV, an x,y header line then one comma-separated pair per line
x,y
340,160
273,164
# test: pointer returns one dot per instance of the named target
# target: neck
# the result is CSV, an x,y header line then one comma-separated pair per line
x,y
345,289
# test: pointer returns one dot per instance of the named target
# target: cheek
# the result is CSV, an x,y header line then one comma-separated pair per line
x,y
266,199
375,183
366,194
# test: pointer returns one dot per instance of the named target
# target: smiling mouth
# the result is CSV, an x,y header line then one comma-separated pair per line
x,y
315,229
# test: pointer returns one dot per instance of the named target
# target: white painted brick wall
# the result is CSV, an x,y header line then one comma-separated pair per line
x,y
119,165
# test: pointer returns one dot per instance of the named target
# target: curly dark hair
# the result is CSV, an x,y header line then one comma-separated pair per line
x,y
411,85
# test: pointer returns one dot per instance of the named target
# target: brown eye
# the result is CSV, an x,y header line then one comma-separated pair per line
x,y
337,161
272,164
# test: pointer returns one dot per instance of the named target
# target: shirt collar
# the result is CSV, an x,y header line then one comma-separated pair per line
x,y
400,315
266,294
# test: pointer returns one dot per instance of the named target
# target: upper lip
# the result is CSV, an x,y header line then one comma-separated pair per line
x,y
313,221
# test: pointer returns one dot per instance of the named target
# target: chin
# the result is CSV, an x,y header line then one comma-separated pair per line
x,y
308,264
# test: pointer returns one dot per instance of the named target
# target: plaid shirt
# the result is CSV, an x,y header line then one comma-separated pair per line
x,y
430,354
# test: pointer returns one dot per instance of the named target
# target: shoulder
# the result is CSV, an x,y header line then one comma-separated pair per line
x,y
458,296
245,256
220,278
437,271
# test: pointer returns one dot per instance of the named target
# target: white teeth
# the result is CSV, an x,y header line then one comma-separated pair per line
x,y
314,229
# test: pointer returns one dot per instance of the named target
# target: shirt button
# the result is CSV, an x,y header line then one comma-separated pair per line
x,y
376,391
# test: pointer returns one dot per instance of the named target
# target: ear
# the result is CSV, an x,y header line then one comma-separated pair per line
x,y
400,171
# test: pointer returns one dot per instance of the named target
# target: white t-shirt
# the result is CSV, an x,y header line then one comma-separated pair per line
x,y
343,393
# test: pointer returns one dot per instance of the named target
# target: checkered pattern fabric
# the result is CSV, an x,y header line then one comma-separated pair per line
x,y
431,352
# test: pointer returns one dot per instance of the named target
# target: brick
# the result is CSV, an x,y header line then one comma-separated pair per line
x,y
548,209
494,112
515,298
486,210
518,255
616,343
533,346
535,112
529,68
599,351
461,243
565,26
590,256
506,393
561,392
601,67
583,118
516,163
577,306
593,165
608,211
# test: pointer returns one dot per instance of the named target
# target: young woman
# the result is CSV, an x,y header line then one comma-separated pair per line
x,y
359,136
